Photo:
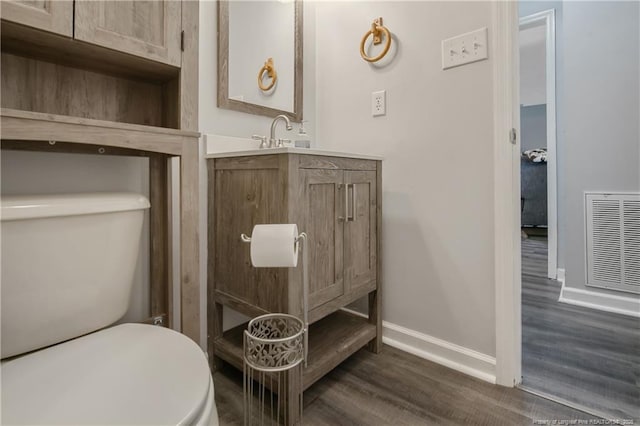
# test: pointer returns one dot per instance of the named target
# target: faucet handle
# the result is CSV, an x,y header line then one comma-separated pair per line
x,y
283,142
262,139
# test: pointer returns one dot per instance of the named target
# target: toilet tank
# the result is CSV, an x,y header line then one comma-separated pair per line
x,y
67,265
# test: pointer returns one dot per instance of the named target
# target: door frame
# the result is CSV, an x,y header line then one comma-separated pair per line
x,y
507,267
547,18
507,220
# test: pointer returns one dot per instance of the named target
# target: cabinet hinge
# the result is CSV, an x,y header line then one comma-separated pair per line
x,y
182,41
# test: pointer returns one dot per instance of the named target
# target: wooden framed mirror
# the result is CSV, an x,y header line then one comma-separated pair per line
x,y
260,46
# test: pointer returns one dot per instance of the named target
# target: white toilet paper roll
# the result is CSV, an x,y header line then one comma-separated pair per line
x,y
274,246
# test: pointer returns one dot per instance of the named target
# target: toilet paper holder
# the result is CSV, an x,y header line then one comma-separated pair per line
x,y
301,241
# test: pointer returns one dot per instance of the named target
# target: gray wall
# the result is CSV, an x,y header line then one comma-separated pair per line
x,y
438,263
602,92
533,127
528,8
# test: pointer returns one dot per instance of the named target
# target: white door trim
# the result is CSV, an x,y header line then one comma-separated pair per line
x,y
506,105
547,18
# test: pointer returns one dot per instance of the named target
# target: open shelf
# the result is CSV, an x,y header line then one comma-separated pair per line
x,y
331,340
34,130
32,84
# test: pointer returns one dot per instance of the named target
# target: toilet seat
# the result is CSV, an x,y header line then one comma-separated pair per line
x,y
131,374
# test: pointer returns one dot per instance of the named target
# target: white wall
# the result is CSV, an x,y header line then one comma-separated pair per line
x,y
437,142
602,98
51,173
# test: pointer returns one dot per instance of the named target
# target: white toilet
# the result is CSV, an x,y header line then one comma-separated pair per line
x,y
67,270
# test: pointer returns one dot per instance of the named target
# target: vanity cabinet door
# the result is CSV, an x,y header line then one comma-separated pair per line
x,y
55,16
360,230
150,29
323,203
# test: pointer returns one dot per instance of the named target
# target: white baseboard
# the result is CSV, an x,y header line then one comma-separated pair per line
x,y
560,275
601,301
440,351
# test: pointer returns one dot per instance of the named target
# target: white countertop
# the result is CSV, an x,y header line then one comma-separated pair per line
x,y
290,150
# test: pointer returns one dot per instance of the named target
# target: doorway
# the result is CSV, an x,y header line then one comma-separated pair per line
x,y
538,166
584,355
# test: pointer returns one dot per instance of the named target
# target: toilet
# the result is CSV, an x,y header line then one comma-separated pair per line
x,y
68,263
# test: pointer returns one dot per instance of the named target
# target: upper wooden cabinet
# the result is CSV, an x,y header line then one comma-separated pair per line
x,y
55,16
147,29
151,29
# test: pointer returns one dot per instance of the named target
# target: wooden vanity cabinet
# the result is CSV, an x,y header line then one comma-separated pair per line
x,y
337,202
333,200
55,16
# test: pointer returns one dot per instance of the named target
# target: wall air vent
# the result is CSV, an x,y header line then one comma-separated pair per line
x,y
613,240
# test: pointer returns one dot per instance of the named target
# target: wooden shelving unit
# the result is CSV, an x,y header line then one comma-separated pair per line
x,y
96,78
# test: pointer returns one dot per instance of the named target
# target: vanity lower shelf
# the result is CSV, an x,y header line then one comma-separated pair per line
x,y
331,340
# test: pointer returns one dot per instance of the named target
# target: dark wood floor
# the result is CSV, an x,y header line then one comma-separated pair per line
x,y
587,357
396,388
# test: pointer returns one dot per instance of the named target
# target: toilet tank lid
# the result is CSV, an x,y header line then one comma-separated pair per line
x,y
21,207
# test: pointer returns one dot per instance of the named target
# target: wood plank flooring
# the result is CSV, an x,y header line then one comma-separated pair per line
x,y
587,357
397,388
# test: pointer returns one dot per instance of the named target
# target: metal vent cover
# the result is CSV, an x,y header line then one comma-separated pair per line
x,y
613,240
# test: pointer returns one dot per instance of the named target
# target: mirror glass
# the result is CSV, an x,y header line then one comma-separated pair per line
x,y
258,34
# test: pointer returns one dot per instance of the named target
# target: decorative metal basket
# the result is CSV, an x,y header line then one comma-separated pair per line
x,y
274,344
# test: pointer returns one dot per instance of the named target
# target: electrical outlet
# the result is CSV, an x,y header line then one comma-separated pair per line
x,y
379,103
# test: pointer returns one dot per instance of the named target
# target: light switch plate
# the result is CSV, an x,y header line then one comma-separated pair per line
x,y
465,48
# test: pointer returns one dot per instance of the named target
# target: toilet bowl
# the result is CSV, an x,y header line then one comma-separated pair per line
x,y
67,270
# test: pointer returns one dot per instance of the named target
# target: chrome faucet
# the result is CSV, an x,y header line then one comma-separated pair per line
x,y
273,142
